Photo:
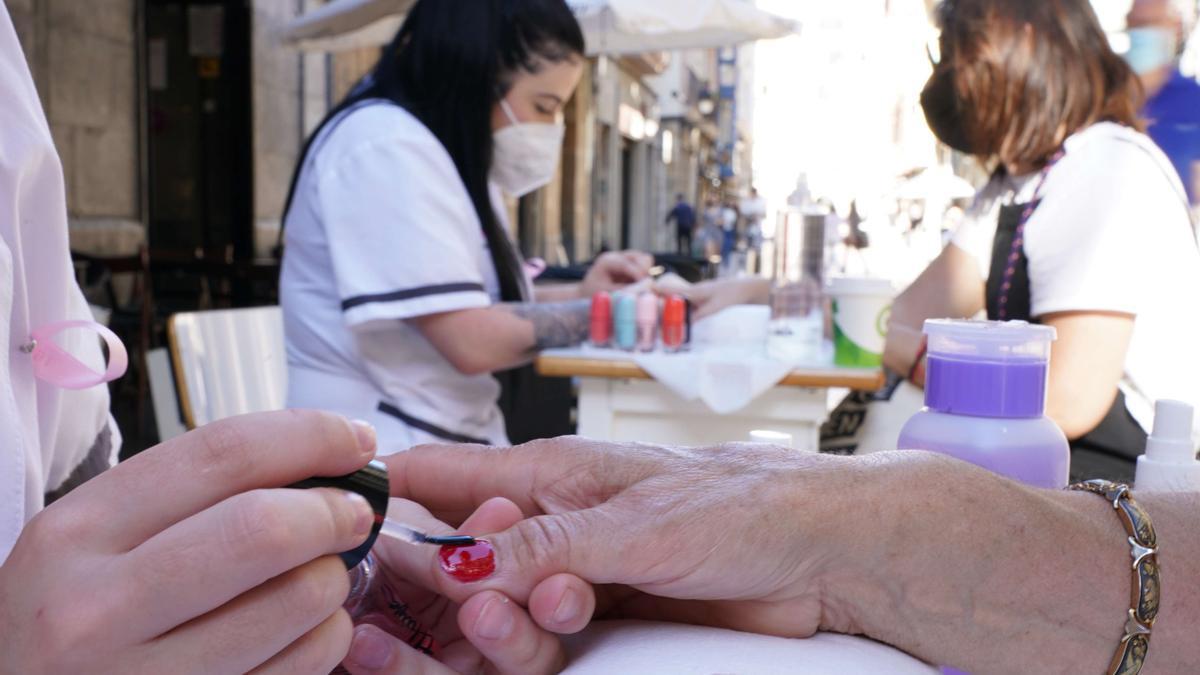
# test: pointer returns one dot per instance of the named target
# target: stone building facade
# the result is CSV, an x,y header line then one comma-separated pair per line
x,y
90,68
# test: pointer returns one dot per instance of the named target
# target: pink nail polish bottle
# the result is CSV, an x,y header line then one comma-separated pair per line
x,y
647,322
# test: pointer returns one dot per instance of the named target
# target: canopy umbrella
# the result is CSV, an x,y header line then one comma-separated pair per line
x,y
611,27
938,182
344,25
634,26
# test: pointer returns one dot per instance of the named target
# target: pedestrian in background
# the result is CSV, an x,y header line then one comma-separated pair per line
x,y
729,226
710,234
1158,31
685,222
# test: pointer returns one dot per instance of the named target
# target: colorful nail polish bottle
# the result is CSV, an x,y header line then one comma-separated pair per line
x,y
647,322
625,323
601,320
674,320
372,599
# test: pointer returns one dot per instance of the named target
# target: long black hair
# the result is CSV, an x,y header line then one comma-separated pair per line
x,y
449,64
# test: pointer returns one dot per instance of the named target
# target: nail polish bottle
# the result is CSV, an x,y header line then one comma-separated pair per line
x,y
372,599
647,322
625,323
601,320
674,330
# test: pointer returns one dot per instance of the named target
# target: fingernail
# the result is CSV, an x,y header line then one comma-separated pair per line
x,y
495,621
468,564
366,436
364,516
568,607
370,649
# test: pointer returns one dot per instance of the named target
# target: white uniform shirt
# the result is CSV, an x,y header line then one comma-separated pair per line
x,y
45,431
1111,234
382,229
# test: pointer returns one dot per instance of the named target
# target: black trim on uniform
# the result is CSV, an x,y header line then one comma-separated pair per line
x,y
410,293
432,429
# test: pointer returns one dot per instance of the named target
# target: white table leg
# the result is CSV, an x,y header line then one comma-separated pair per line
x,y
595,416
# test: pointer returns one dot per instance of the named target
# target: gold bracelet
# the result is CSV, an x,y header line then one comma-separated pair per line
x,y
1143,545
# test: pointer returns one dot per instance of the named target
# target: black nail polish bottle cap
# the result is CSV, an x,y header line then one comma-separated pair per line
x,y
372,483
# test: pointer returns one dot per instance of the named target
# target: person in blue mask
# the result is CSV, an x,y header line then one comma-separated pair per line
x,y
1158,30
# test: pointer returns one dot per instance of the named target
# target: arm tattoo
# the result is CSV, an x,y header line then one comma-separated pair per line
x,y
555,324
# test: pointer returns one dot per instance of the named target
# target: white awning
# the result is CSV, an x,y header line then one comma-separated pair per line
x,y
938,182
344,25
611,27
635,26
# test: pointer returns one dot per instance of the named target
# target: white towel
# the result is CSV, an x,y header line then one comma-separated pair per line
x,y
635,647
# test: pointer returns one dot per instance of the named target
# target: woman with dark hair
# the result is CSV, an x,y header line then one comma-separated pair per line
x,y
401,290
1084,225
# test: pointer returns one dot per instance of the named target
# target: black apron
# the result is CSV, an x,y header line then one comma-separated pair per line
x,y
1109,451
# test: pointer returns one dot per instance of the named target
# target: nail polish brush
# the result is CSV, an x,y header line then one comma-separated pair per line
x,y
410,535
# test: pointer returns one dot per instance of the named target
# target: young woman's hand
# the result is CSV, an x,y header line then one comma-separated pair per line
x,y
486,633
613,271
184,559
710,297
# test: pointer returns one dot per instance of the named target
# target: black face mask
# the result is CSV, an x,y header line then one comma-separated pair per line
x,y
943,111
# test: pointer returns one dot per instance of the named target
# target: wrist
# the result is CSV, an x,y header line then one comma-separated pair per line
x,y
972,570
858,585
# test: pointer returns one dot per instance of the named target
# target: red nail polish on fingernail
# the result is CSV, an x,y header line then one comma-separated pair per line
x,y
469,563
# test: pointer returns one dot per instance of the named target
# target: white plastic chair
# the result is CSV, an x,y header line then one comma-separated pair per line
x,y
228,362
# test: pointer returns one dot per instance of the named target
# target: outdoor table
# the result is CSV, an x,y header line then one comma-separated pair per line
x,y
618,401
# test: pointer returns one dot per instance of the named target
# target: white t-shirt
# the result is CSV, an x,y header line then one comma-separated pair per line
x,y
45,431
382,229
1111,234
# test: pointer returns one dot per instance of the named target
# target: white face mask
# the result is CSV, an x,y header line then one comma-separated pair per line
x,y
525,154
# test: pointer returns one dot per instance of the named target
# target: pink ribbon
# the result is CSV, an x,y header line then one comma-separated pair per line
x,y
52,364
534,267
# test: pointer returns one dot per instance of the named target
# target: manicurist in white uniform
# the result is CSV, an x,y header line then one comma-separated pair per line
x,y
133,568
401,289
1083,227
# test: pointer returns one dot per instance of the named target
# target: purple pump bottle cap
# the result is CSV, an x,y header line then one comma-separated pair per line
x,y
988,368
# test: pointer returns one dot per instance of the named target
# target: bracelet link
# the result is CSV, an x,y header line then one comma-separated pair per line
x,y
1146,586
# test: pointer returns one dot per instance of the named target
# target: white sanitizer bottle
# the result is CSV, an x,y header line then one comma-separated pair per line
x,y
1169,464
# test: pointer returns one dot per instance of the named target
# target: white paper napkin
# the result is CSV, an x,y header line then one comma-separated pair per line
x,y
728,367
634,647
726,379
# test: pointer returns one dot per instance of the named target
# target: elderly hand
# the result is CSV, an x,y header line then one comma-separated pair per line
x,y
942,559
614,271
185,559
486,633
741,536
